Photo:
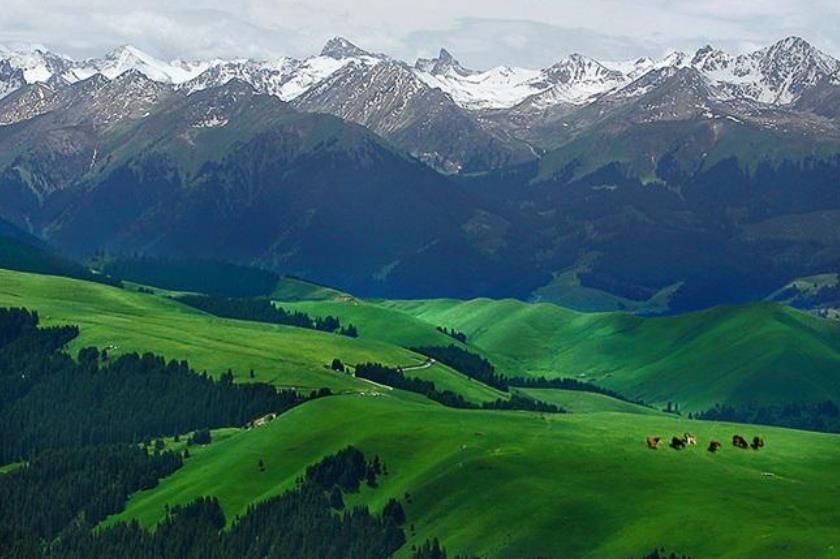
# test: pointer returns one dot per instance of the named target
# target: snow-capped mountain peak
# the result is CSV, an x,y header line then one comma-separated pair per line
x,y
574,80
444,64
778,74
128,57
579,69
339,47
709,59
676,59
36,63
791,65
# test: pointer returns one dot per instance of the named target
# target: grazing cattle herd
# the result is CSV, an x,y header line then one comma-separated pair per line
x,y
687,439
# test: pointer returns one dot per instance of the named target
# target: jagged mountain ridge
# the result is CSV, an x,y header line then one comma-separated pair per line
x,y
462,120
231,173
777,74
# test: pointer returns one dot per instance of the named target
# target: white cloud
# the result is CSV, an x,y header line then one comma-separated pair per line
x,y
531,32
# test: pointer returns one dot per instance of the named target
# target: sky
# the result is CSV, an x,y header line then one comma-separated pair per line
x,y
481,34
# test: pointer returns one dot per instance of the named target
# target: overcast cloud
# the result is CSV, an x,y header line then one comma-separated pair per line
x,y
481,33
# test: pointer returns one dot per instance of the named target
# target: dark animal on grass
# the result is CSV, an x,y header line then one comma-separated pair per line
x,y
714,446
739,441
757,442
653,442
677,443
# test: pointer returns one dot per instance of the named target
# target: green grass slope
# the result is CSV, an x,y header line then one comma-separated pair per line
x,y
759,353
575,401
132,321
513,484
294,289
397,328
375,322
282,355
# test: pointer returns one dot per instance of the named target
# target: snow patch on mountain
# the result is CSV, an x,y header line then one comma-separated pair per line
x,y
128,58
286,78
500,87
572,80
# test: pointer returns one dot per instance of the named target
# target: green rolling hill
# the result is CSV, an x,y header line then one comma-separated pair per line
x,y
762,353
499,483
132,321
514,484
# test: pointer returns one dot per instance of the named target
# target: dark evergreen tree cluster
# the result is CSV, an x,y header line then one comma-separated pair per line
x,y
26,254
200,437
48,400
344,470
479,368
819,416
14,323
662,554
520,402
350,331
431,549
82,484
27,353
467,362
200,276
263,310
301,523
395,377
568,384
672,408
453,333
128,399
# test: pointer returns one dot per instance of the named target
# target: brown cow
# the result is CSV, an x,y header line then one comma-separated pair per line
x,y
714,446
677,443
739,441
653,442
757,442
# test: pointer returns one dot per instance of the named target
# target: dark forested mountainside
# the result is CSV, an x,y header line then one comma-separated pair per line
x,y
723,231
201,276
56,488
74,425
640,199
25,253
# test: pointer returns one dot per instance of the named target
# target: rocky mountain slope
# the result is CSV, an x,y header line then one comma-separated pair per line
x,y
462,120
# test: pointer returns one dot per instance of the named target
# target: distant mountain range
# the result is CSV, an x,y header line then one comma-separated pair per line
x,y
776,75
463,120
651,185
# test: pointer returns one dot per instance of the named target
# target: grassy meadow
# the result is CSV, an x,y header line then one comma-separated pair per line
x,y
516,484
506,484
